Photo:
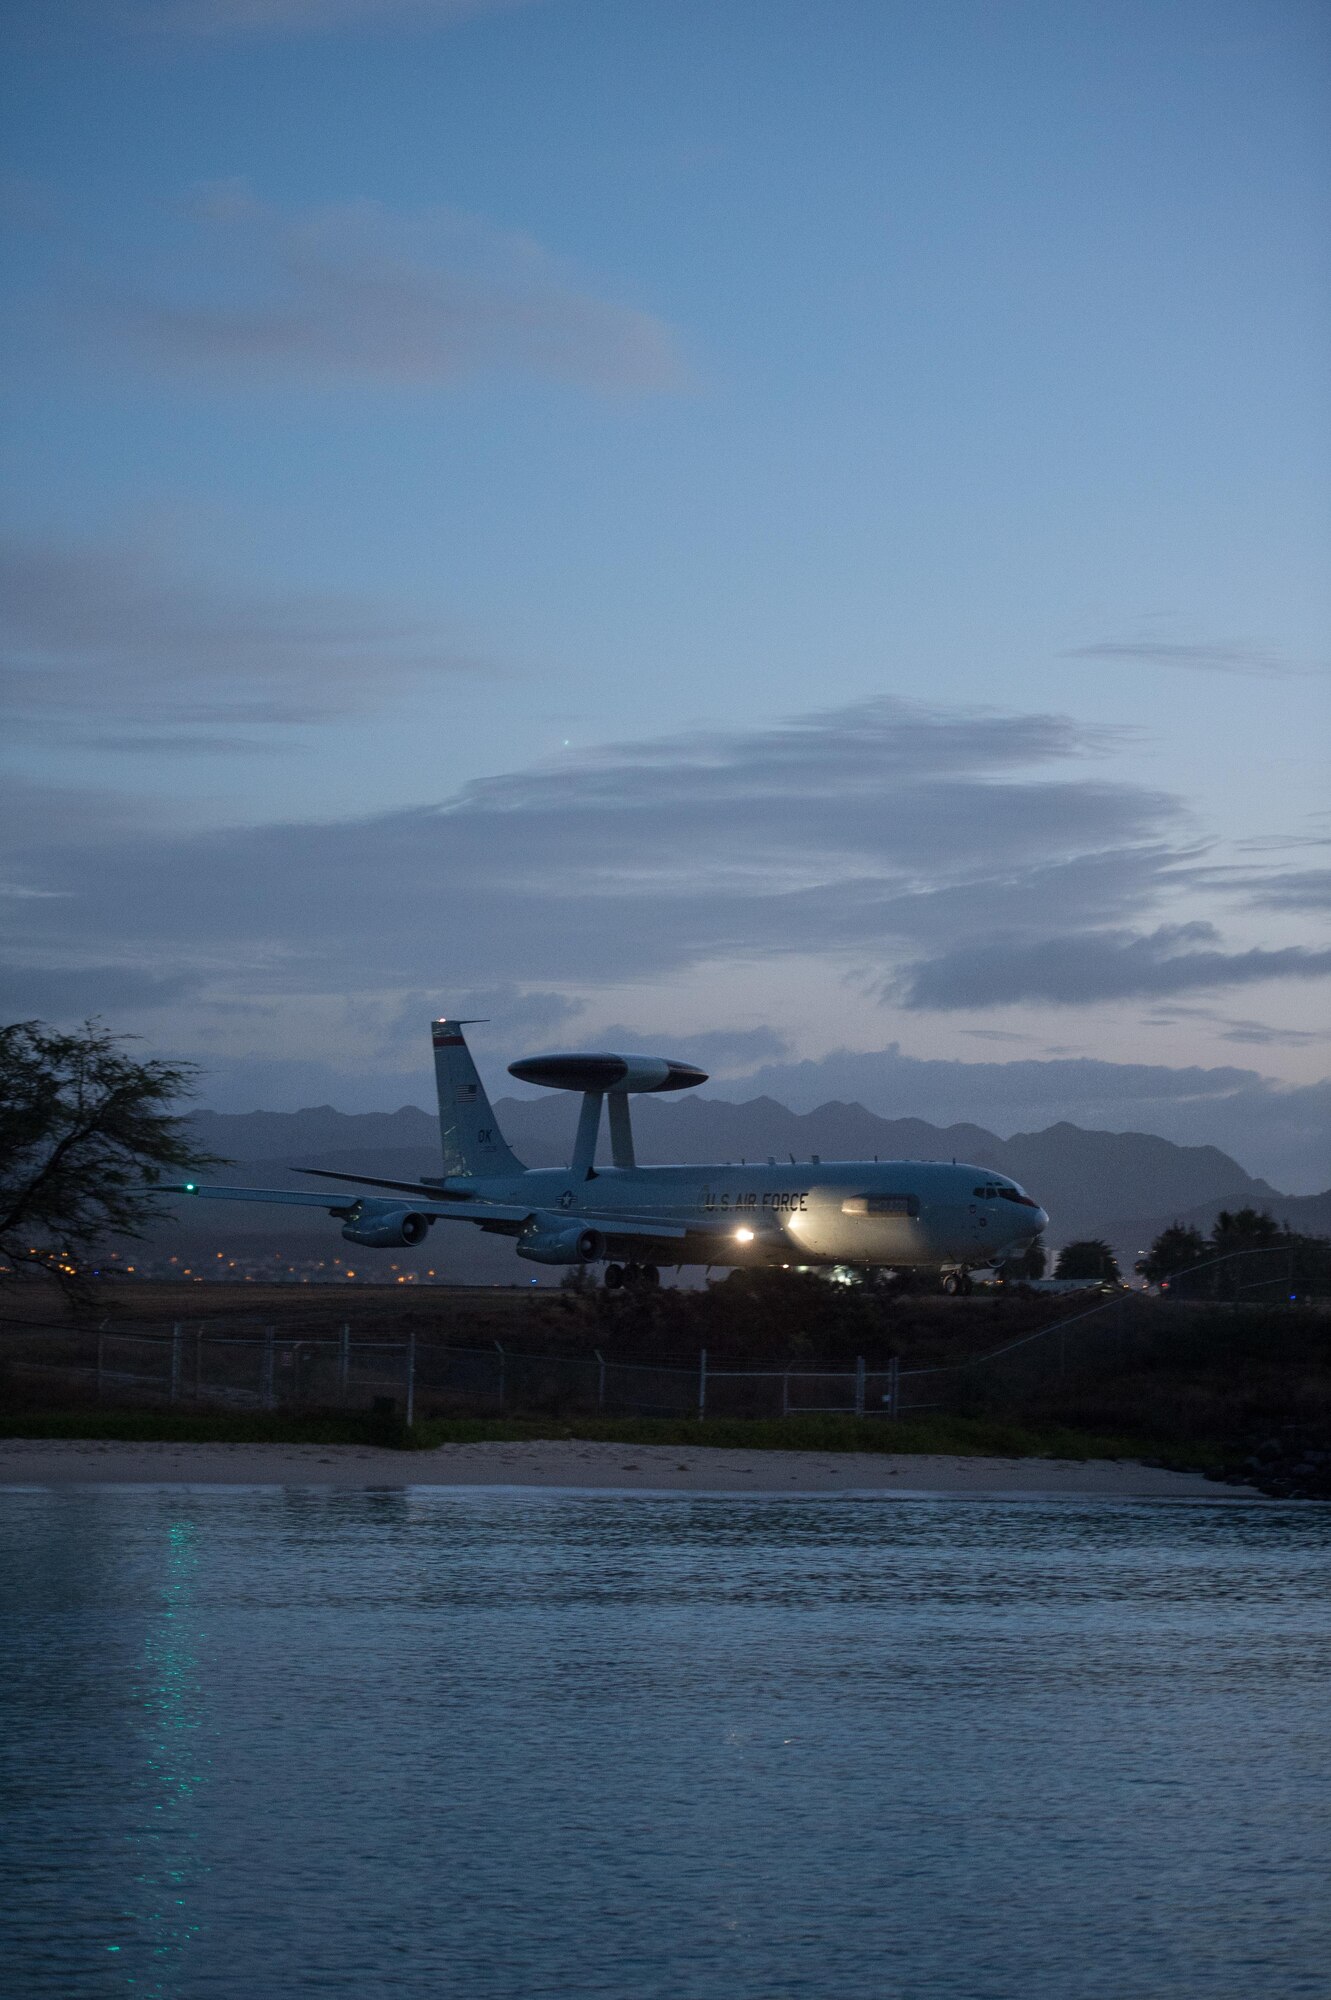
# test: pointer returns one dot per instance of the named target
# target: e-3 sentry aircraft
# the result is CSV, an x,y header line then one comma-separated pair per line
x,y
907,1215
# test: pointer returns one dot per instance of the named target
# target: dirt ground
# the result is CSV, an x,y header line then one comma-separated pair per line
x,y
547,1320
587,1465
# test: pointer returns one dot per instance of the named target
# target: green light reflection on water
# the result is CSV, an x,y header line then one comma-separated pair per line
x,y
165,1924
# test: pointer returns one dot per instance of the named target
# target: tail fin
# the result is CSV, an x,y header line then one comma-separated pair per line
x,y
472,1142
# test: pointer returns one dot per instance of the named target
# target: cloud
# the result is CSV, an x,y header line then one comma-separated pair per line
x,y
360,294
1257,1033
947,858
1290,889
854,832
976,855
64,993
717,1050
1202,658
77,817
99,638
497,1014
1090,966
272,17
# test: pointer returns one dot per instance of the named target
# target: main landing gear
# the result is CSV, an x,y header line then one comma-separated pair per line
x,y
957,1285
632,1278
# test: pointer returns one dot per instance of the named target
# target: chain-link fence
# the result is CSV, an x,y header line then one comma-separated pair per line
x,y
242,1369
1120,1327
233,1365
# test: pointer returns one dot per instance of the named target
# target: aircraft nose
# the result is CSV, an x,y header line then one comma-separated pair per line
x,y
1041,1221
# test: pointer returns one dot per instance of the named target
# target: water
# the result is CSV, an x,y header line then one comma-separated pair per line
x,y
271,1743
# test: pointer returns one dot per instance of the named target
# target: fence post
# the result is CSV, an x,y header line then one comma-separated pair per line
x,y
859,1385
411,1378
268,1360
702,1383
600,1380
175,1361
785,1394
500,1352
343,1358
101,1359
198,1362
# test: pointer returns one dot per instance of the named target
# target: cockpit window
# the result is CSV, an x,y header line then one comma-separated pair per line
x,y
992,1193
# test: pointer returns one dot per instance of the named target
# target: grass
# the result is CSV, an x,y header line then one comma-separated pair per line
x,y
952,1436
202,1427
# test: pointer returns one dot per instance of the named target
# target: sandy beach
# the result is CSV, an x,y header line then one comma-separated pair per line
x,y
590,1466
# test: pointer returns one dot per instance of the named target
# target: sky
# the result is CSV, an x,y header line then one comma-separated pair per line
x,y
793,537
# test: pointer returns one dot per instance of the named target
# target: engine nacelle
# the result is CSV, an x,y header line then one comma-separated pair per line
x,y
385,1225
562,1243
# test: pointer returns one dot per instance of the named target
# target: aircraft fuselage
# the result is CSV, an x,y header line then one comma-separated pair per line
x,y
898,1214
903,1213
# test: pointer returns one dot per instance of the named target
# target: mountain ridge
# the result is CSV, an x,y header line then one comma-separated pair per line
x,y
1091,1181
1122,1186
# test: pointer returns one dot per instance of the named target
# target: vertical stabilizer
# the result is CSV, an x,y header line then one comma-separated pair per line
x,y
472,1142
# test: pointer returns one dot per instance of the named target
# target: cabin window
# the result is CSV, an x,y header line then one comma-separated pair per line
x,y
881,1204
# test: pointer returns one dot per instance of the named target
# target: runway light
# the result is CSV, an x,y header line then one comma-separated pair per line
x,y
743,1236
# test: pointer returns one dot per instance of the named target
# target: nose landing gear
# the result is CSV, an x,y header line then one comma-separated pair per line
x,y
957,1285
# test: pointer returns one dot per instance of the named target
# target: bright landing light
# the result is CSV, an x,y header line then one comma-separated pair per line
x,y
743,1236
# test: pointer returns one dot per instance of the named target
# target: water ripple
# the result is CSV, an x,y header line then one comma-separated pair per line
x,y
509,1746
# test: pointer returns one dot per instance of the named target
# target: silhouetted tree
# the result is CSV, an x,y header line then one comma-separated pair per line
x,y
85,1131
1245,1229
1305,1268
1090,1258
1310,1267
1174,1249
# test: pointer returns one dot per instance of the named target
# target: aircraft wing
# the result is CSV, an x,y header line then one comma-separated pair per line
x,y
474,1208
425,1200
438,1208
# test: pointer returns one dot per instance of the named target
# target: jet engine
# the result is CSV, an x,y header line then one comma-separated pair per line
x,y
384,1225
560,1243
